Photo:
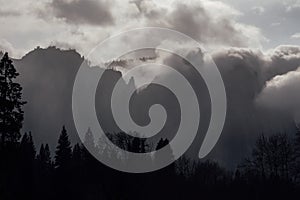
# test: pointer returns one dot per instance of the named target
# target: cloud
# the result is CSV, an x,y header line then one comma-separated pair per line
x,y
213,23
282,93
91,12
246,74
278,21
138,4
295,36
6,46
275,24
53,22
292,6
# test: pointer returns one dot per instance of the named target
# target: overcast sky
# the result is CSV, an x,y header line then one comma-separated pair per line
x,y
81,24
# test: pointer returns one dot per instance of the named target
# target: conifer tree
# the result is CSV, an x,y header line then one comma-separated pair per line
x,y
11,113
63,151
44,157
27,148
297,142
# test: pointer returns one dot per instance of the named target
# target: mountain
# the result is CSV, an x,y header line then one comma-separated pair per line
x,y
47,77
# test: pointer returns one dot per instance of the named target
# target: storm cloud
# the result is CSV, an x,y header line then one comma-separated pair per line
x,y
254,103
83,11
212,23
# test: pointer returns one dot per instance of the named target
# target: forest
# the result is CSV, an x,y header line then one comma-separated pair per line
x,y
272,171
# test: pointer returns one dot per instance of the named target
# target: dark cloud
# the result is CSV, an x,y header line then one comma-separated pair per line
x,y
246,74
83,11
212,23
197,23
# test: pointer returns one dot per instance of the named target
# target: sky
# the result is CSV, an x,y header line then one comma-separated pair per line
x,y
82,24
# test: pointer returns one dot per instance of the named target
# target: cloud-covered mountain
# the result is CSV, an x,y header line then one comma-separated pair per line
x,y
261,94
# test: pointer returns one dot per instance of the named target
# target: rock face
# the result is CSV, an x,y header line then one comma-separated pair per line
x,y
47,77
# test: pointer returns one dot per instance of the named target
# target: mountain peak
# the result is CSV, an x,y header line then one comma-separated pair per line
x,y
51,50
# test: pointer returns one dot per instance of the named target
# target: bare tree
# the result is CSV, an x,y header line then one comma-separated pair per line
x,y
272,157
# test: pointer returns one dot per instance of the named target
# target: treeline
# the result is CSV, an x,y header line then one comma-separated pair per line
x,y
270,172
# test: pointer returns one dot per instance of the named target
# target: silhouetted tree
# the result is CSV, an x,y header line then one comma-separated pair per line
x,y
63,151
167,154
161,143
89,141
210,173
185,167
77,154
272,157
11,118
11,113
297,154
44,174
27,148
137,145
77,161
259,154
26,166
44,157
42,149
63,167
297,142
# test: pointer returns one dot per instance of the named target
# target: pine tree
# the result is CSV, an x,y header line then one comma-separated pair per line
x,y
31,147
11,113
44,174
297,142
47,155
89,141
77,154
165,155
27,148
42,150
161,143
24,140
63,151
44,157
26,166
297,154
